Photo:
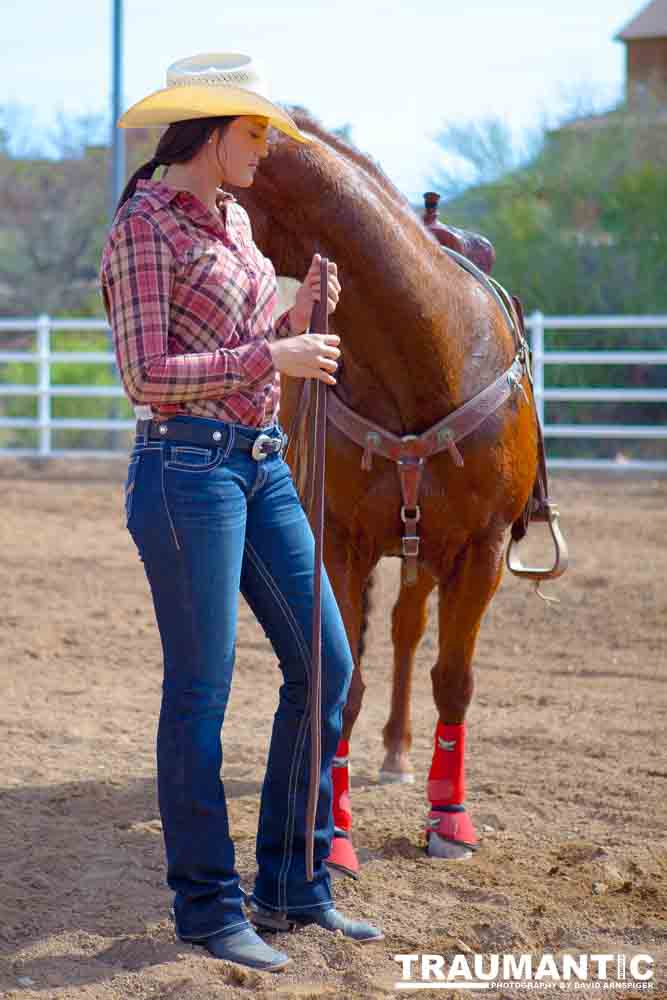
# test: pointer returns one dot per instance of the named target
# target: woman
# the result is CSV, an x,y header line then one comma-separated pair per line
x,y
211,504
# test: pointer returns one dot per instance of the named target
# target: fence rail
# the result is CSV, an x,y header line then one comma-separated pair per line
x,y
537,324
44,390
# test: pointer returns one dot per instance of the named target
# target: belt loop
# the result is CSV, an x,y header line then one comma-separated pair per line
x,y
230,441
142,431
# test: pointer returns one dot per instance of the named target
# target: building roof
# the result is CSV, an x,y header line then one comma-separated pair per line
x,y
651,22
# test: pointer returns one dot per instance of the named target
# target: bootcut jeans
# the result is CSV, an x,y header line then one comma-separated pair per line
x,y
208,523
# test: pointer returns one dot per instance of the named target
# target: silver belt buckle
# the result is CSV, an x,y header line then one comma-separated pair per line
x,y
257,452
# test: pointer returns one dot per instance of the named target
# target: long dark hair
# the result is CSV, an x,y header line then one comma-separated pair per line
x,y
180,142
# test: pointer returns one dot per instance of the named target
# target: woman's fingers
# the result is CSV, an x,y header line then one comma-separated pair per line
x,y
315,265
325,347
328,363
310,355
312,280
325,376
328,358
333,286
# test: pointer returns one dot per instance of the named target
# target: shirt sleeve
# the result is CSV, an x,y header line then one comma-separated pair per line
x,y
282,326
137,279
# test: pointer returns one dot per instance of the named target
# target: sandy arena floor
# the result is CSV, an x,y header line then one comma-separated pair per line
x,y
566,767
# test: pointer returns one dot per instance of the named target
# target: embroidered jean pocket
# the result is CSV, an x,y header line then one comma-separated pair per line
x,y
130,483
189,458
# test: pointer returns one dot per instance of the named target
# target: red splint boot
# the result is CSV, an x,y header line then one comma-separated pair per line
x,y
454,826
446,789
342,856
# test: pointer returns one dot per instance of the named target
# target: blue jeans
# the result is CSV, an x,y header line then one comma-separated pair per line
x,y
208,523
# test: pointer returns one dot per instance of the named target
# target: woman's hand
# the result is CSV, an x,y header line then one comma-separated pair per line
x,y
310,355
309,293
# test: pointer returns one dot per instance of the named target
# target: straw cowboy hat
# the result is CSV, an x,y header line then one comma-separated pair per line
x,y
207,85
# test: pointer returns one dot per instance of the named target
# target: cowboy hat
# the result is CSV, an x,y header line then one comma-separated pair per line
x,y
207,85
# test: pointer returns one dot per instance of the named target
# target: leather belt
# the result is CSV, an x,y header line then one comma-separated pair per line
x,y
206,436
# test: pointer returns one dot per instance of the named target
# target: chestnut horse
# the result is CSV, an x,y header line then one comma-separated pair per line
x,y
419,337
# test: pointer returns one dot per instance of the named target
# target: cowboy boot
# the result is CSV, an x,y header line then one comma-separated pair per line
x,y
245,947
330,920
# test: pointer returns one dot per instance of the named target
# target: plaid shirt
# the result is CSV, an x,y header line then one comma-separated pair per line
x,y
190,300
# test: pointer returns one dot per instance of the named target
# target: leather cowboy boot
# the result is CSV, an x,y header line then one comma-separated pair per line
x,y
330,920
245,947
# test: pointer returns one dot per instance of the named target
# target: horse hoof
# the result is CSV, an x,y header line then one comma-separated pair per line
x,y
396,777
395,769
343,857
438,847
450,834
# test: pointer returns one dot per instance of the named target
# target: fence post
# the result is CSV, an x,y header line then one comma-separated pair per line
x,y
537,351
44,399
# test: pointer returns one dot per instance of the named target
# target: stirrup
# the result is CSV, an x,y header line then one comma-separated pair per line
x,y
536,573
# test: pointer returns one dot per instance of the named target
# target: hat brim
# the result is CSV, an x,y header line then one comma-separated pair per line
x,y
175,104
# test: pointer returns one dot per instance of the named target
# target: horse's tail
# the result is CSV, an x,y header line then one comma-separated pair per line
x,y
366,608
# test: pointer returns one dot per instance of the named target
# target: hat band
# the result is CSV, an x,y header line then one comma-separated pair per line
x,y
214,79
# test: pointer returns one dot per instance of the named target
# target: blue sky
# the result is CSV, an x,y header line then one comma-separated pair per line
x,y
396,70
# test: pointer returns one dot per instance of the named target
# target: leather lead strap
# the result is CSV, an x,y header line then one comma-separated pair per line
x,y
319,324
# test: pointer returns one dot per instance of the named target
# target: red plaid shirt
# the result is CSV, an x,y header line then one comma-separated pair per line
x,y
190,300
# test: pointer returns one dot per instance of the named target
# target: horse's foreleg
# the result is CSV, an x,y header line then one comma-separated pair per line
x,y
348,578
464,596
408,622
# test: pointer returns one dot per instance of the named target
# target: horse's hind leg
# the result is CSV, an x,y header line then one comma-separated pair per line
x,y
464,596
408,622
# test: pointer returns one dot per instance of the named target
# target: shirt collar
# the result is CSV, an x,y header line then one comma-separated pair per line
x,y
160,194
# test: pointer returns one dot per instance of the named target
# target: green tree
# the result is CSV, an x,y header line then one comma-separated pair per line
x,y
578,217
54,216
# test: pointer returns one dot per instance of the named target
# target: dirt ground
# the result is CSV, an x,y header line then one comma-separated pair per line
x,y
566,766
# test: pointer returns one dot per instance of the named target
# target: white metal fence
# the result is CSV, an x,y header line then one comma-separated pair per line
x,y
44,390
537,324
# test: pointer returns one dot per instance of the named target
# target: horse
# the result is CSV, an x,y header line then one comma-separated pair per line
x,y
420,336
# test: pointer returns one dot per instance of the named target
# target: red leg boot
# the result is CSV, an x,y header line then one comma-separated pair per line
x,y
449,829
342,855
